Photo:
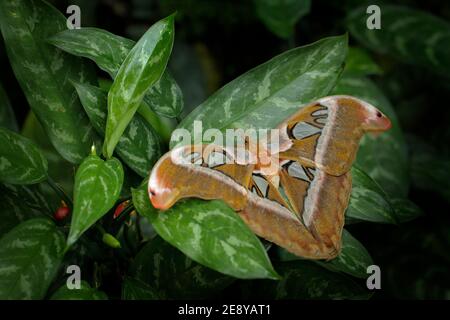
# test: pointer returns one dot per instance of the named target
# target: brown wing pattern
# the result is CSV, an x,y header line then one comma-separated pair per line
x,y
301,206
275,212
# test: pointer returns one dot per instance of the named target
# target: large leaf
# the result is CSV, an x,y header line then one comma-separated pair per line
x,y
210,233
173,275
418,38
384,157
30,255
268,94
109,52
139,146
7,118
353,259
280,17
368,201
43,72
84,293
142,68
307,280
97,188
21,162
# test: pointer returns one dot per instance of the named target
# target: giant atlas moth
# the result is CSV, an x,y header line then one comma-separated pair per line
x,y
300,204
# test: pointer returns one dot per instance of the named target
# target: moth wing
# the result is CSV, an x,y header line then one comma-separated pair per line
x,y
317,198
322,135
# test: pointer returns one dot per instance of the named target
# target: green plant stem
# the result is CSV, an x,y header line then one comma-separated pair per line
x,y
59,191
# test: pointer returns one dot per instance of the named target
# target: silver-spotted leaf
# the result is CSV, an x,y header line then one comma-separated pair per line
x,y
268,94
359,63
210,233
368,201
142,68
139,146
30,255
418,38
280,17
133,289
43,72
97,187
21,162
303,279
85,292
7,117
353,259
172,275
109,51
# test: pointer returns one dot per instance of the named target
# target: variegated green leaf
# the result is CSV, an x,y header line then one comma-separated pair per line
x,y
84,293
59,169
13,210
133,289
30,255
139,146
359,63
21,162
143,66
405,210
210,233
384,158
109,52
43,72
418,38
353,259
280,17
97,188
368,201
306,280
7,118
172,275
268,94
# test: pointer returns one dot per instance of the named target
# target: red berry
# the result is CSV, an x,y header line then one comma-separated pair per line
x,y
119,209
61,213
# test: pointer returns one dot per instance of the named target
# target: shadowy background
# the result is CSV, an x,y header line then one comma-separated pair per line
x,y
216,41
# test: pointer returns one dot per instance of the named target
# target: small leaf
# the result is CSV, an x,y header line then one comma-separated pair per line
x,y
84,293
109,51
406,210
61,170
133,289
210,233
143,66
7,117
420,38
30,255
359,63
280,17
306,280
43,72
97,188
368,201
21,162
268,94
383,158
139,146
353,259
171,274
